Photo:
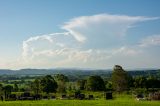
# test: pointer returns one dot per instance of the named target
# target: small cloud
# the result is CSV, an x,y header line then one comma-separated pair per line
x,y
153,40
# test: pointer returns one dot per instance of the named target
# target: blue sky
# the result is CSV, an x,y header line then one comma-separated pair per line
x,y
79,33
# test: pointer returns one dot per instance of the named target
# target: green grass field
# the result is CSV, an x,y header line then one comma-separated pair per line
x,y
122,100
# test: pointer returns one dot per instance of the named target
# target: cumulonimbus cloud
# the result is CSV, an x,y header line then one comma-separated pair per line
x,y
102,30
88,41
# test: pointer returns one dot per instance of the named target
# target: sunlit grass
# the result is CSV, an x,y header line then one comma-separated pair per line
x,y
120,100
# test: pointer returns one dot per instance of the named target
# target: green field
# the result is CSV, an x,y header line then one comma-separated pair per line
x,y
123,100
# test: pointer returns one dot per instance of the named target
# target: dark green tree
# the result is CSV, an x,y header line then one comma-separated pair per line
x,y
130,81
108,85
95,83
16,89
7,90
152,82
1,89
61,77
140,82
119,79
48,84
36,86
81,84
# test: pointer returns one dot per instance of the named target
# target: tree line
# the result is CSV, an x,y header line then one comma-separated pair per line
x,y
120,81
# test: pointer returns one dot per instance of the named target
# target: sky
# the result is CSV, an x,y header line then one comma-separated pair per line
x,y
95,34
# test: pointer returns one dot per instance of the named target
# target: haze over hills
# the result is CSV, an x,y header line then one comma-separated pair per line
x,y
72,71
49,71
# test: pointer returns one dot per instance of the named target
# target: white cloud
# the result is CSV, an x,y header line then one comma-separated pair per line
x,y
90,41
102,29
153,40
26,44
42,42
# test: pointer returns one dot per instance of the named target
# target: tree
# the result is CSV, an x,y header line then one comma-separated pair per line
x,y
48,84
140,82
61,77
36,86
61,87
7,90
95,83
81,84
119,79
152,82
108,85
1,89
130,81
61,81
16,87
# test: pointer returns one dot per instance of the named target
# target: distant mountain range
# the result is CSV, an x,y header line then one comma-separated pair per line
x,y
73,71
47,71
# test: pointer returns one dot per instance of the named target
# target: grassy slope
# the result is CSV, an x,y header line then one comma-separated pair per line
x,y
122,100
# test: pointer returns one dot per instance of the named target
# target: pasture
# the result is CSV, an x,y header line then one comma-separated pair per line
x,y
120,100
